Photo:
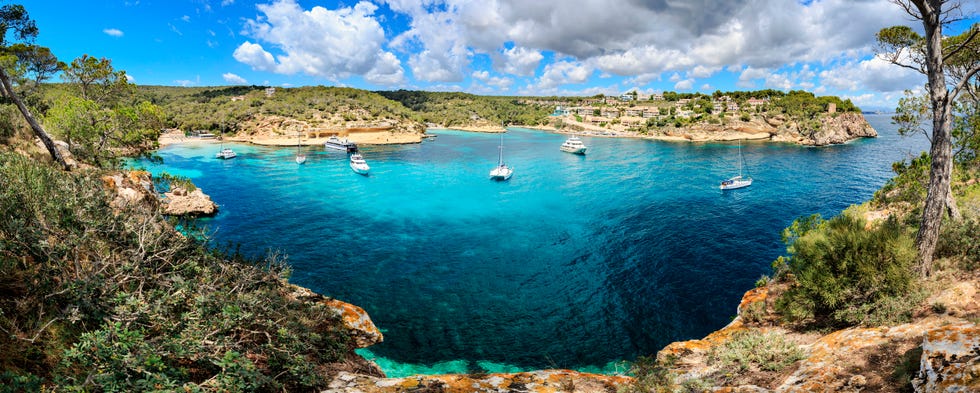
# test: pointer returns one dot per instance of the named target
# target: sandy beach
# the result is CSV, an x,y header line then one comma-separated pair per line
x,y
361,138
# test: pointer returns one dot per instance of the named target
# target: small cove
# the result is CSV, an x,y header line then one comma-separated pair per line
x,y
576,262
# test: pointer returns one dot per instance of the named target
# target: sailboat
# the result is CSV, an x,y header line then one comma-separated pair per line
x,y
502,171
300,156
737,181
225,152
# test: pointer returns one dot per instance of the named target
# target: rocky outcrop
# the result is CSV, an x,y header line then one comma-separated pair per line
x,y
133,188
840,129
357,321
545,381
854,359
950,360
828,129
180,202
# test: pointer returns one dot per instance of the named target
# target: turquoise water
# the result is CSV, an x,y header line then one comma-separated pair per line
x,y
576,262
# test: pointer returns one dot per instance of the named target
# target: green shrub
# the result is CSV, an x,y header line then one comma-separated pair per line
x,y
94,299
845,274
755,350
961,240
651,376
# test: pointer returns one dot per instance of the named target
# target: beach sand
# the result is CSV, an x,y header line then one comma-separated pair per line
x,y
361,138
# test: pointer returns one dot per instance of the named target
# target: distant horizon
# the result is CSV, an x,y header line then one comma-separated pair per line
x,y
496,48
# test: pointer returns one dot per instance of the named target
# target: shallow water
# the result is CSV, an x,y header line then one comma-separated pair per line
x,y
576,262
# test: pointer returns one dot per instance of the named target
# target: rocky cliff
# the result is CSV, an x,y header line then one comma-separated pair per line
x,y
940,349
828,129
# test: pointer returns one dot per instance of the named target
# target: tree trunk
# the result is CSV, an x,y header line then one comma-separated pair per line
x,y
951,208
938,191
38,130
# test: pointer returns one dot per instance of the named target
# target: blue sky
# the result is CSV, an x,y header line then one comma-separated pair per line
x,y
498,47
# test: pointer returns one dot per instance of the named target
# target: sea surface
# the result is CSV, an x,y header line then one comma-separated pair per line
x,y
582,262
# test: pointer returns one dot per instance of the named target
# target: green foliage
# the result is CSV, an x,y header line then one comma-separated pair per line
x,y
961,240
906,369
456,109
845,274
756,351
909,183
805,105
93,299
651,376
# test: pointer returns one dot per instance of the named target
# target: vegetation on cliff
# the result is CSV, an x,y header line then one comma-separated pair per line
x,y
93,298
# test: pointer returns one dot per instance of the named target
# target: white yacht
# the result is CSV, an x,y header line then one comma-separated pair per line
x,y
226,153
738,181
336,143
358,165
502,171
573,145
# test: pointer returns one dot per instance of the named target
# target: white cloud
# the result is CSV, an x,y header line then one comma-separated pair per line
x,y
320,42
234,79
186,18
255,56
563,72
130,79
227,2
685,84
631,38
702,71
500,83
113,32
521,61
871,74
749,75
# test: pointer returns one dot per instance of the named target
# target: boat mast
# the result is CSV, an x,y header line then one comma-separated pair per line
x,y
500,159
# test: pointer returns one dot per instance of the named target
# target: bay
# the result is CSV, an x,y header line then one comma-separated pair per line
x,y
576,262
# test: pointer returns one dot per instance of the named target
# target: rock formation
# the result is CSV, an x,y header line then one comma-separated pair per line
x,y
131,189
854,359
544,381
357,321
179,202
827,130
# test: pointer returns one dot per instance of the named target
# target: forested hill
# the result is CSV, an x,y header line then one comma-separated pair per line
x,y
227,109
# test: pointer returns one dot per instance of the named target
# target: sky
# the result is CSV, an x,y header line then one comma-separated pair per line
x,y
494,47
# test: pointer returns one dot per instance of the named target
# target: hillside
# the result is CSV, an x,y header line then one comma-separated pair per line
x,y
259,113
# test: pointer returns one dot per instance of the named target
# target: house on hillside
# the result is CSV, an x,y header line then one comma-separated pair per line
x,y
635,112
611,113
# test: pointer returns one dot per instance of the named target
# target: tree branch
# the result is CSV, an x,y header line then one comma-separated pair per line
x,y
963,82
960,47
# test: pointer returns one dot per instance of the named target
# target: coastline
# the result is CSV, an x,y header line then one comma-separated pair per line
x,y
361,138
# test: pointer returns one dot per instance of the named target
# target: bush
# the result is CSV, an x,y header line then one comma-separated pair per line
x,y
753,350
94,299
651,376
844,274
961,240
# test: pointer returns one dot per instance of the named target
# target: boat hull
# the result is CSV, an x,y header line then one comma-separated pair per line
x,y
361,170
501,173
574,150
225,154
734,183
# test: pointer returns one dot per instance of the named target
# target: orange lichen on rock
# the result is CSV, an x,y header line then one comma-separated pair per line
x,y
544,381
358,322
950,360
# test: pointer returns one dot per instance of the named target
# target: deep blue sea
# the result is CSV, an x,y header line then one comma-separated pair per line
x,y
577,262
